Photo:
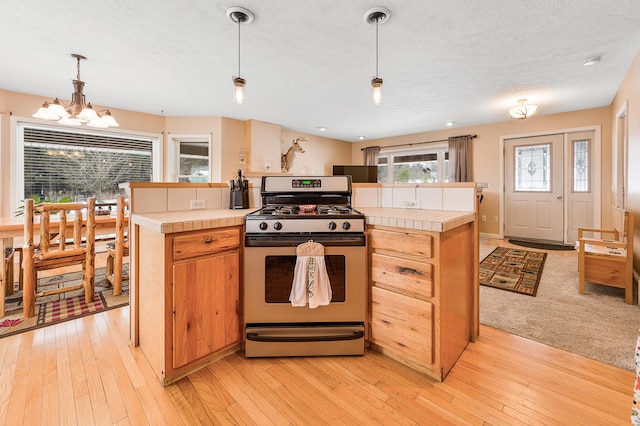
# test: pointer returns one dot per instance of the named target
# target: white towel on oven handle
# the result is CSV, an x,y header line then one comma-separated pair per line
x,y
310,279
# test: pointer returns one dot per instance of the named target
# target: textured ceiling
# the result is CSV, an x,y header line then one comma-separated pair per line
x,y
309,63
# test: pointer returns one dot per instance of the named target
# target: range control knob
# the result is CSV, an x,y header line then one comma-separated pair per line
x,y
277,226
332,225
346,225
263,225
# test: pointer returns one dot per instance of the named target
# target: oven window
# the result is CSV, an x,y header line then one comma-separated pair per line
x,y
279,277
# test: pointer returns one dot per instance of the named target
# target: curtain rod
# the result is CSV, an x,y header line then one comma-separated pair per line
x,y
419,143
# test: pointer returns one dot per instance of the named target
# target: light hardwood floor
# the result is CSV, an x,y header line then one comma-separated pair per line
x,y
85,372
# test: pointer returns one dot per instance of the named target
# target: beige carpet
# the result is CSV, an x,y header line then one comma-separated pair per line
x,y
598,325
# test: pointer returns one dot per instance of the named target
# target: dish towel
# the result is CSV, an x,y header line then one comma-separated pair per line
x,y
310,279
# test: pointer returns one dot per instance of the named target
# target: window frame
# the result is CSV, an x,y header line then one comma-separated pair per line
x,y
174,153
438,148
18,125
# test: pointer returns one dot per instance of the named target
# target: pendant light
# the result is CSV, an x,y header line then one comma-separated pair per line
x,y
239,15
522,111
78,111
377,16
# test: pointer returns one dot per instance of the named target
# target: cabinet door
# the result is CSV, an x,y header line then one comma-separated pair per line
x,y
403,325
206,296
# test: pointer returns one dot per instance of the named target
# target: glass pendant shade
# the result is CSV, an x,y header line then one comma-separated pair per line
x,y
97,123
108,119
70,121
376,91
238,90
44,113
88,114
56,108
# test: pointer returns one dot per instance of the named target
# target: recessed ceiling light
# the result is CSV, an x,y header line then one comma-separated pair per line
x,y
450,123
591,61
322,129
361,137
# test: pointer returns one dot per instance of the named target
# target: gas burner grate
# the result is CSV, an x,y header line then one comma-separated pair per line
x,y
334,210
281,210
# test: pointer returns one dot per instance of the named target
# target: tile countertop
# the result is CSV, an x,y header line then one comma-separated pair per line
x,y
427,220
190,220
193,220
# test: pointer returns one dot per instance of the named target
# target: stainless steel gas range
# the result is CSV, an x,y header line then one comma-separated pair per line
x,y
298,210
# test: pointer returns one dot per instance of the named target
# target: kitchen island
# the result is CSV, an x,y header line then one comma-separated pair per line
x,y
422,286
187,294
422,283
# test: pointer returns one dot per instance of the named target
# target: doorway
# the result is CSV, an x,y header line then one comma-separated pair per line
x,y
551,184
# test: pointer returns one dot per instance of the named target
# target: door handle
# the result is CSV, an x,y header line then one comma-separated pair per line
x,y
559,197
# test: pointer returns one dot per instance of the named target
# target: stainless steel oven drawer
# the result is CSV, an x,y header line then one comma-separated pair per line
x,y
304,340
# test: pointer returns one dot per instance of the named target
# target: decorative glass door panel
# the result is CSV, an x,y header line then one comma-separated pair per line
x,y
532,166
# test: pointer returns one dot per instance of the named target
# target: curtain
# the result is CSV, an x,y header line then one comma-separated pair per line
x,y
460,158
371,154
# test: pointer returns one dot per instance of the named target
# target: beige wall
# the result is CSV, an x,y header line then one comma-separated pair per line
x,y
320,154
486,151
629,92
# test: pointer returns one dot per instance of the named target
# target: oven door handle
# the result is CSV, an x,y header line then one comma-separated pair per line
x,y
256,337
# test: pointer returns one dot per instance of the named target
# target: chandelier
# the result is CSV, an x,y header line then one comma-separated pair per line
x,y
77,112
522,111
376,16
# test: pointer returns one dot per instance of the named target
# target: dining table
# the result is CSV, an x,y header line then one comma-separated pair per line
x,y
12,227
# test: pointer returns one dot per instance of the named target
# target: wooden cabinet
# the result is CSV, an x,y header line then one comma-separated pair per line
x,y
189,295
421,295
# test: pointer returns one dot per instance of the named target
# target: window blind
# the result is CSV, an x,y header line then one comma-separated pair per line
x,y
79,165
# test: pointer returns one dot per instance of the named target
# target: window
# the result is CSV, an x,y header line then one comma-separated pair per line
x,y
54,162
427,164
194,158
581,167
193,161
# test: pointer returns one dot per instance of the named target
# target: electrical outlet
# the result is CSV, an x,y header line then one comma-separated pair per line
x,y
495,219
484,217
197,204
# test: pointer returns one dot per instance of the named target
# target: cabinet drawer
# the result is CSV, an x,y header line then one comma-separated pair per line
x,y
205,242
402,242
406,276
403,325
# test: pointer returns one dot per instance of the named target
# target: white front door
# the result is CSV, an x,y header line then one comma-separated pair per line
x,y
534,188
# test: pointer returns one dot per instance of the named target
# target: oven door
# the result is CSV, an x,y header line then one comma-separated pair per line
x,y
268,277
273,327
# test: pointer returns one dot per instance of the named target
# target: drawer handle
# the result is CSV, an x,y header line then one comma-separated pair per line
x,y
405,270
355,335
208,239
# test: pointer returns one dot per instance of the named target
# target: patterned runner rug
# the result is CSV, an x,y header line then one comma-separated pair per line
x,y
63,307
513,270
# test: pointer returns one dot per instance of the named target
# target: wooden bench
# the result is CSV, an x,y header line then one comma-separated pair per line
x,y
608,260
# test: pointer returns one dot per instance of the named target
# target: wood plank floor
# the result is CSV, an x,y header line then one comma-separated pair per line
x,y
85,372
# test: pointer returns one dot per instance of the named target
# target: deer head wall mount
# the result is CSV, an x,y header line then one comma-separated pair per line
x,y
286,160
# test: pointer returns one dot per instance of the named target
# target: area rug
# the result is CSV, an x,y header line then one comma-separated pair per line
x,y
513,270
598,325
62,307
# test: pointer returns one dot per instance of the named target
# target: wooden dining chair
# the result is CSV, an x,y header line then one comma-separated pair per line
x,y
117,250
69,241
